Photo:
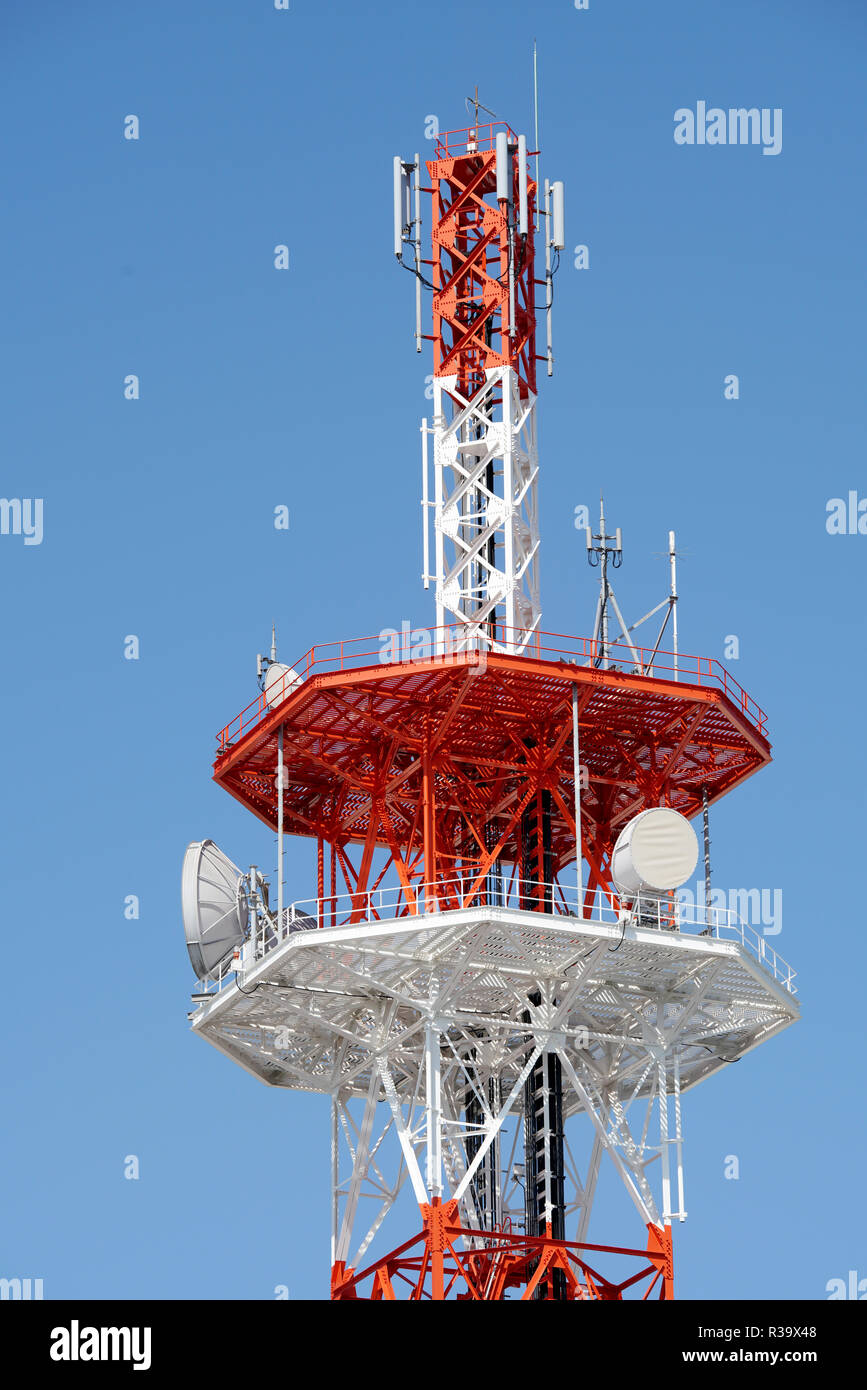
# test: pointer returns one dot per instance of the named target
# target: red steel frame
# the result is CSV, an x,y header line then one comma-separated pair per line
x,y
430,1265
471,325
398,769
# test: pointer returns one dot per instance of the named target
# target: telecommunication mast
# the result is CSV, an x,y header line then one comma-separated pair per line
x,y
495,981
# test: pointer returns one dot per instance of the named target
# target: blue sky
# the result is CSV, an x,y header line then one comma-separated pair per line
x,y
260,387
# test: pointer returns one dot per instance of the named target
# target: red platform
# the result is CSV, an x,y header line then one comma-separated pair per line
x,y
424,756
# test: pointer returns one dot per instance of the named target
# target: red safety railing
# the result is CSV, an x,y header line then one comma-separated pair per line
x,y
477,139
457,642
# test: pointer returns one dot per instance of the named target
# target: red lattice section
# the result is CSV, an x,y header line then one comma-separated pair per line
x,y
470,236
439,1263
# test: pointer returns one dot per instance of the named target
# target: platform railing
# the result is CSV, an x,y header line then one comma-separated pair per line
x,y
399,903
478,139
456,642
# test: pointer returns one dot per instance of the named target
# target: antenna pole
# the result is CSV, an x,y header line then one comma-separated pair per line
x,y
601,549
706,828
536,131
576,758
280,766
511,217
425,507
604,579
253,919
673,600
417,240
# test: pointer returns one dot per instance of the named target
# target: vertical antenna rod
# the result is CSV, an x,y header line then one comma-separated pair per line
x,y
425,507
606,547
706,828
536,122
417,247
280,790
576,759
673,561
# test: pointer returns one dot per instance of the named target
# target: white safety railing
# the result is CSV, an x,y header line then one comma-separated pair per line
x,y
398,902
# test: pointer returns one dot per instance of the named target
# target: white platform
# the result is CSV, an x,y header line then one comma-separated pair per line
x,y
321,1006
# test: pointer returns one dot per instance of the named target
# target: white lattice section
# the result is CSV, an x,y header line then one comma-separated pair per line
x,y
397,1020
485,474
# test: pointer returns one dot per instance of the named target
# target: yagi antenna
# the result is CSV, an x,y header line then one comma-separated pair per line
x,y
480,106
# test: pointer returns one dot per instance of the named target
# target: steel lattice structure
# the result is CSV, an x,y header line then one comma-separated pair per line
x,y
476,1004
417,756
399,1019
484,429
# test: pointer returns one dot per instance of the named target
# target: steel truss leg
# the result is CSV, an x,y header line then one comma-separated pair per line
x,y
447,1149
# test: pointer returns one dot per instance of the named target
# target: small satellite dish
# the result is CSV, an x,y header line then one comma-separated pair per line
x,y
655,853
214,903
280,681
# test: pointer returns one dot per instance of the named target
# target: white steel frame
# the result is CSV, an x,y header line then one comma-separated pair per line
x,y
397,1020
468,513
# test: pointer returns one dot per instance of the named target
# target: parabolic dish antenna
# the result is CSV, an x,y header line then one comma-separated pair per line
x,y
655,852
214,905
280,681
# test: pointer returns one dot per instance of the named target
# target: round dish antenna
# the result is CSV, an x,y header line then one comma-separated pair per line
x,y
656,852
214,901
280,680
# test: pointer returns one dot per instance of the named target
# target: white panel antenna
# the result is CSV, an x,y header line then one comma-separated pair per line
x,y
407,225
522,185
555,240
402,205
558,216
504,167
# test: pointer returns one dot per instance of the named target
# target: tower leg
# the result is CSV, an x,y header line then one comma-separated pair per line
x,y
659,1244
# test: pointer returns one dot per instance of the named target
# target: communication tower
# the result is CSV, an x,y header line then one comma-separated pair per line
x,y
495,981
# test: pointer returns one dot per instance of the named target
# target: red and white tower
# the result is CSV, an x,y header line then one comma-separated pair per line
x,y
494,981
485,453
